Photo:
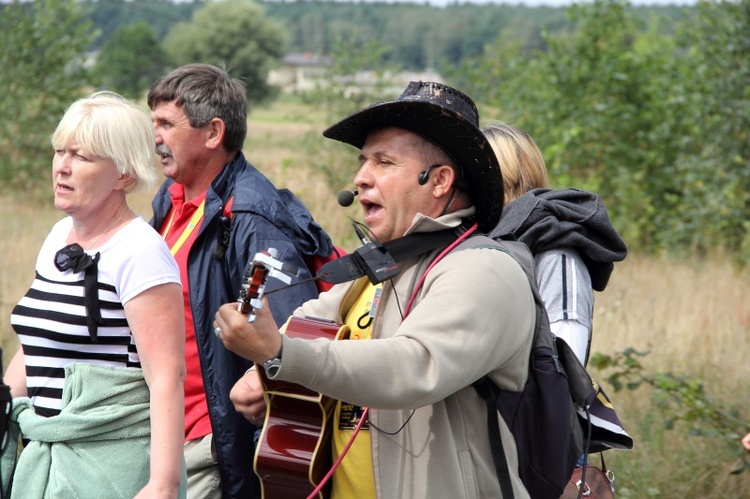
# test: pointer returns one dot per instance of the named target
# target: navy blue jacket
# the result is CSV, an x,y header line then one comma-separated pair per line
x,y
262,217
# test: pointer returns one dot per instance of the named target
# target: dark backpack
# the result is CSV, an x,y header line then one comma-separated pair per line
x,y
313,262
543,416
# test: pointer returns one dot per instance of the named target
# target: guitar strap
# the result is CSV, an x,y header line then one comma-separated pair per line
x,y
379,261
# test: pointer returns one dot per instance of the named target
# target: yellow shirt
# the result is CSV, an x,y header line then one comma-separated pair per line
x,y
354,476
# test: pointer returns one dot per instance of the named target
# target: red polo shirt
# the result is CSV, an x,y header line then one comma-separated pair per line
x,y
179,230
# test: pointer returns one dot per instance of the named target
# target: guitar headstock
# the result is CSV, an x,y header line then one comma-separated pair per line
x,y
264,265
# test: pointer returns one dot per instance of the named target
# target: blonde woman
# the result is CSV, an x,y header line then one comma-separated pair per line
x,y
568,231
97,382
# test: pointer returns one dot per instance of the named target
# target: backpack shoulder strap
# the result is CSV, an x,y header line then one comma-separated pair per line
x,y
519,252
487,390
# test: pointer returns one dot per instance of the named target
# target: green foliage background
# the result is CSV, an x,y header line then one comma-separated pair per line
x,y
42,69
649,107
235,34
131,59
651,114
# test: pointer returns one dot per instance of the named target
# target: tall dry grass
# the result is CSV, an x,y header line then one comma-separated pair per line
x,y
693,316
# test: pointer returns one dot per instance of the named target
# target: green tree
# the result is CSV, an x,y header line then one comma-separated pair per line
x,y
109,15
131,59
43,61
235,34
616,107
607,108
714,178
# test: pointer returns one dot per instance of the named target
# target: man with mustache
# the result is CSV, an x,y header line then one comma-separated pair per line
x,y
216,211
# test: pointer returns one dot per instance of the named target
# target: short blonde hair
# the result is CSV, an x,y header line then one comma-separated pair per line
x,y
521,161
107,125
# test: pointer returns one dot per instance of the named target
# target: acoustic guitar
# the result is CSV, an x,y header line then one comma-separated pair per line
x,y
294,450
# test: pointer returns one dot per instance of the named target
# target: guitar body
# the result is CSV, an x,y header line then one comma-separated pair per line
x,y
294,452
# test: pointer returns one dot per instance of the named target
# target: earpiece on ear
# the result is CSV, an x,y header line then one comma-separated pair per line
x,y
425,175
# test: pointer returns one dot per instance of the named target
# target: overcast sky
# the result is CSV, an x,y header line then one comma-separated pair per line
x,y
553,3
569,2
531,3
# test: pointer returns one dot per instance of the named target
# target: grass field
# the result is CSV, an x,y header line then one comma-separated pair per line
x,y
693,317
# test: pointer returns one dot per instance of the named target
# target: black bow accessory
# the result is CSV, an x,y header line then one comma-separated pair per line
x,y
73,257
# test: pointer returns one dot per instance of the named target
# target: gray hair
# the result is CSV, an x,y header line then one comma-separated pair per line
x,y
206,92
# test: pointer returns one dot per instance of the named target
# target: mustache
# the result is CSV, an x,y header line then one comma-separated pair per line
x,y
163,150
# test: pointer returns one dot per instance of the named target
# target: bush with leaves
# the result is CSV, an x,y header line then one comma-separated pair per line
x,y
653,115
714,178
44,69
235,34
680,399
131,59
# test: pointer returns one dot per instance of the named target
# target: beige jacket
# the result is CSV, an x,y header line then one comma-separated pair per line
x,y
474,315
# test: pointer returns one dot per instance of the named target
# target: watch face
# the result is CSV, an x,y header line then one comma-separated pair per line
x,y
271,366
272,370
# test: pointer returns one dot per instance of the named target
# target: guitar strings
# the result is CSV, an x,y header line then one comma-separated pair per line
x,y
301,281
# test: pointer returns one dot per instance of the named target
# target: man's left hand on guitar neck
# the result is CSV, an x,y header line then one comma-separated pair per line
x,y
258,341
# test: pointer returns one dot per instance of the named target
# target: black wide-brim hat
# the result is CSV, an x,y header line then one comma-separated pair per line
x,y
450,119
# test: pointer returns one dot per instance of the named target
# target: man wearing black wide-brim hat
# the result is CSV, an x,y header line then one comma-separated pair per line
x,y
450,315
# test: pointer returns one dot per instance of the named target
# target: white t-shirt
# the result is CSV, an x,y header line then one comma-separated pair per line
x,y
50,319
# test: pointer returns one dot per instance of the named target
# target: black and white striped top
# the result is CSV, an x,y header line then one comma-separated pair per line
x,y
50,319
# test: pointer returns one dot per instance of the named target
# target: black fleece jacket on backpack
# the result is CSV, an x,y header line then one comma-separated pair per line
x,y
546,219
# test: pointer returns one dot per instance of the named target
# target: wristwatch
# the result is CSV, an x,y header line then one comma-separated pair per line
x,y
272,366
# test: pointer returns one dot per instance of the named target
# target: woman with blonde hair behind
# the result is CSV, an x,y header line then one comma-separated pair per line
x,y
574,246
568,231
97,382
522,162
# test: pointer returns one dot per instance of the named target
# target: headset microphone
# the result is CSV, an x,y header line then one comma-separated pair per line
x,y
346,198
